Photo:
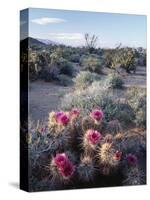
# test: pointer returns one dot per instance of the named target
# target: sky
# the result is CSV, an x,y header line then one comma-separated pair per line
x,y
69,27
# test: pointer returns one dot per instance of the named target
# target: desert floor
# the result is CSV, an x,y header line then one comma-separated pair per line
x,y
45,96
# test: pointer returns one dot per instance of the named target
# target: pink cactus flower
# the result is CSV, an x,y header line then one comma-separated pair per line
x,y
63,119
131,159
74,112
68,169
58,114
93,136
60,160
118,155
64,164
97,114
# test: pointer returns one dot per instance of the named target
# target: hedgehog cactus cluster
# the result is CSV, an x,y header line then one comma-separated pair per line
x,y
61,167
78,150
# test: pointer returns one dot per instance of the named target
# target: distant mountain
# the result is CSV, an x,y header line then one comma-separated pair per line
x,y
46,41
32,41
36,41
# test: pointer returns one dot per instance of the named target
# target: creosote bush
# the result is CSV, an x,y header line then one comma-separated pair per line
x,y
65,67
114,81
137,100
99,95
85,78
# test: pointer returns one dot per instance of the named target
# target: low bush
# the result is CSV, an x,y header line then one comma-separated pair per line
x,y
137,100
85,78
114,81
75,58
97,95
91,63
64,80
49,73
65,67
53,71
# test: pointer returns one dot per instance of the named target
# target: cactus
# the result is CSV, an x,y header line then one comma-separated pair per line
x,y
109,158
134,142
91,140
114,127
59,131
108,138
75,125
58,121
75,149
61,168
75,121
87,123
134,176
86,169
97,116
60,142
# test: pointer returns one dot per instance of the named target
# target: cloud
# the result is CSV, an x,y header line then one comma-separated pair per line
x,y
47,20
66,36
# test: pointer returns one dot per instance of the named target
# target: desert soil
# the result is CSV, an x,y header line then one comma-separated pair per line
x,y
45,96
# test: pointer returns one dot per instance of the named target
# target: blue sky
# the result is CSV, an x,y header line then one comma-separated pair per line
x,y
69,27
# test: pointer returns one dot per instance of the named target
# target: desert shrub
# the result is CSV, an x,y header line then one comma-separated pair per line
x,y
65,67
86,99
75,58
57,66
114,81
91,42
108,58
85,78
140,55
64,80
124,113
49,73
91,63
97,95
137,100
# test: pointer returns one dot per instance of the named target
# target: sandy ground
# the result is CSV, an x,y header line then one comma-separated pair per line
x,y
45,97
138,79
